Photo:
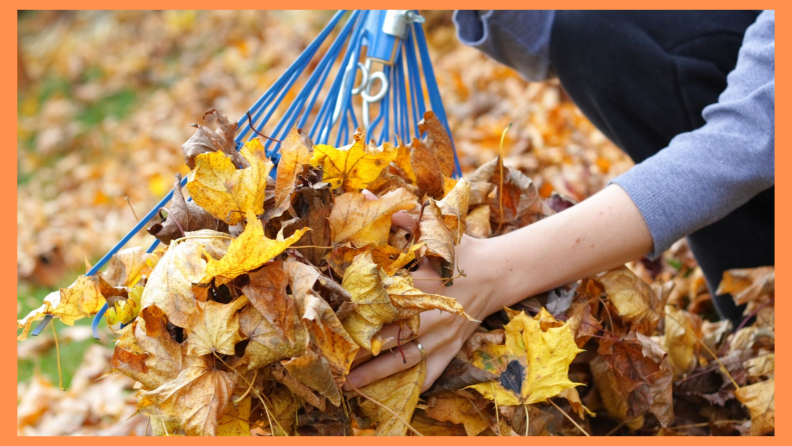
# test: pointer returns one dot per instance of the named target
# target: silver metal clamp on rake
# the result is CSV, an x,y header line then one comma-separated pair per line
x,y
395,44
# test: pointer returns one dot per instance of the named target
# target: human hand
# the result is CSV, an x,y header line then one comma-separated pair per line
x,y
440,334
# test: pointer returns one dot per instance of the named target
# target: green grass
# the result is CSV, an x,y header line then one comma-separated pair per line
x,y
117,104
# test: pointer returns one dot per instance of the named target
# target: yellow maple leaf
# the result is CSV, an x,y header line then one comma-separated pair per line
x,y
363,279
360,221
541,368
214,328
759,398
353,167
81,299
227,192
399,393
122,311
234,423
378,299
411,301
389,258
403,161
248,251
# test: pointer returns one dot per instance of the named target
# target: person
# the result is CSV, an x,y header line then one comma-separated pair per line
x,y
689,95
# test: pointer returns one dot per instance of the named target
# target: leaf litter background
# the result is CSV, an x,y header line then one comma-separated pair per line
x,y
99,124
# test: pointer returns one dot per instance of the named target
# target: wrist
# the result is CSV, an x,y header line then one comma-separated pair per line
x,y
475,259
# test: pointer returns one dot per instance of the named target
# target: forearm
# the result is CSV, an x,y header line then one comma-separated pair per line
x,y
600,233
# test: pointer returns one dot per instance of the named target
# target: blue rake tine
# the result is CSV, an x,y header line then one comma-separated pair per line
x,y
395,108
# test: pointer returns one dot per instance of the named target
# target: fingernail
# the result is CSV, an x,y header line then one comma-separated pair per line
x,y
355,381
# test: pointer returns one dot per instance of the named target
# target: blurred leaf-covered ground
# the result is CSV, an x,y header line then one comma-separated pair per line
x,y
106,99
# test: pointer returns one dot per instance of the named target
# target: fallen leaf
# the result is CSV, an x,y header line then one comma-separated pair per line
x,y
477,222
197,398
438,140
314,371
386,256
680,339
634,300
298,388
560,299
642,375
454,209
283,410
79,300
410,301
573,398
313,205
761,366
183,217
541,370
448,406
214,328
439,242
752,286
354,167
433,157
398,392
459,374
129,265
163,354
328,334
518,202
295,151
170,286
373,308
360,221
759,398
583,324
402,161
205,140
229,193
247,252
267,343
234,422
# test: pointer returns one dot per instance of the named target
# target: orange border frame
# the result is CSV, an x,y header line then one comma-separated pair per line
x,y
8,46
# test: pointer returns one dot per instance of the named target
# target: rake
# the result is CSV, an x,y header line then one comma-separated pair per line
x,y
387,47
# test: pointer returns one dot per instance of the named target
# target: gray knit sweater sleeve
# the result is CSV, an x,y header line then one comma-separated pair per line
x,y
705,174
519,39
702,175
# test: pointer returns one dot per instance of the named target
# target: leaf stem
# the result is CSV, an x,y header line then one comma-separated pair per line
x,y
57,355
126,198
569,418
386,408
250,120
175,220
250,386
500,187
203,236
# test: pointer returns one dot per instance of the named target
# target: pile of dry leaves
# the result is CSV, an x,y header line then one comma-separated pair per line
x,y
250,319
